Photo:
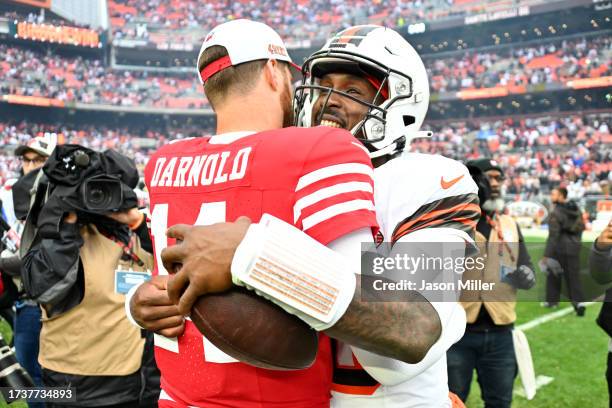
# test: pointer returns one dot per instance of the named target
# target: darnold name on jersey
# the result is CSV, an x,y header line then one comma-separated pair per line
x,y
202,170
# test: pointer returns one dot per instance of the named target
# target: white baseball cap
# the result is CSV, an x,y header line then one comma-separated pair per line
x,y
43,145
245,41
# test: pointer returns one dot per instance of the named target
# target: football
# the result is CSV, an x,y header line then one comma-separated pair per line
x,y
255,331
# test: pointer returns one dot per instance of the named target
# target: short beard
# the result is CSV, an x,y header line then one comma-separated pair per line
x,y
493,205
287,106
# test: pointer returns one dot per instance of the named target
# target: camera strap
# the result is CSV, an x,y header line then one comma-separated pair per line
x,y
497,228
127,249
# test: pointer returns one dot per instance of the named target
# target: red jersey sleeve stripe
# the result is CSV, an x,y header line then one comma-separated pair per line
x,y
343,224
335,210
327,192
331,171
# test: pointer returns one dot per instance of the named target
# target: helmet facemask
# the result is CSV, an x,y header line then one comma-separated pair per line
x,y
372,128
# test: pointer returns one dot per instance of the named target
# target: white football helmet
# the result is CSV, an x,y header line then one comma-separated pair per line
x,y
382,53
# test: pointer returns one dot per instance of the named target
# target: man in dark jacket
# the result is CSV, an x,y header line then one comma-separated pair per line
x,y
562,251
600,266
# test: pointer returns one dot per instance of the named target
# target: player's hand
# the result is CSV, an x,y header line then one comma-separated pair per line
x,y
202,258
152,309
604,240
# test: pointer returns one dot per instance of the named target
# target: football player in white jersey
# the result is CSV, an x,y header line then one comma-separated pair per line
x,y
369,80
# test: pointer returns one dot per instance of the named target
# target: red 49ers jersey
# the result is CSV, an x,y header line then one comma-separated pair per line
x,y
319,180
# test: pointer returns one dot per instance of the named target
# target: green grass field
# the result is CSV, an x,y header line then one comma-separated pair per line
x,y
571,350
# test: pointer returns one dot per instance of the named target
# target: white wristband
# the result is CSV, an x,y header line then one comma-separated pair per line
x,y
287,267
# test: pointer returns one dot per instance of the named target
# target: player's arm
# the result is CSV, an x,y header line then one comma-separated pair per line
x,y
449,314
447,219
404,329
333,200
401,330
147,305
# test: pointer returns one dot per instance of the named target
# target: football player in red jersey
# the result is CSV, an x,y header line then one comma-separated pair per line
x,y
316,180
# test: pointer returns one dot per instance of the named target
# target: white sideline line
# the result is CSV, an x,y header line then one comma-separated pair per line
x,y
548,317
541,381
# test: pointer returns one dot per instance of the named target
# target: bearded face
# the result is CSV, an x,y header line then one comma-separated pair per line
x,y
286,98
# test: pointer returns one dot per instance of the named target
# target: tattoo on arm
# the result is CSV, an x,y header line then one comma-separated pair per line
x,y
404,330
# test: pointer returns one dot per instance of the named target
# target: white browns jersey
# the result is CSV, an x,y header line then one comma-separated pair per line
x,y
414,193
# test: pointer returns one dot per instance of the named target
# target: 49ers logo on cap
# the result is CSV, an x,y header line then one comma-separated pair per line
x,y
277,50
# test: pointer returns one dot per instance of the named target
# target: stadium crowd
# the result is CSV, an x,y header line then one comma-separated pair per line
x,y
536,153
294,20
541,64
131,142
77,79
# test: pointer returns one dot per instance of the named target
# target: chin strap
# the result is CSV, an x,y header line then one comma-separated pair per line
x,y
400,144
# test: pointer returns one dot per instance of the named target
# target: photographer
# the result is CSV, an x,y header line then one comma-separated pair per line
x,y
89,236
15,204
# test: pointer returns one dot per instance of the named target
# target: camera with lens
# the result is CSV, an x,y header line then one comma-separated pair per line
x,y
12,375
101,193
78,179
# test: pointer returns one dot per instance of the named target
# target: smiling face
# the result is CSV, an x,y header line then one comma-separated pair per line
x,y
340,111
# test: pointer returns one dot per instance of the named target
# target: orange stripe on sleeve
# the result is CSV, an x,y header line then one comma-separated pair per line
x,y
435,214
355,389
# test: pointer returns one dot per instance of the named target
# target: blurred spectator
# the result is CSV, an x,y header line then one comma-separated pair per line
x,y
600,266
487,345
27,320
565,226
41,18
